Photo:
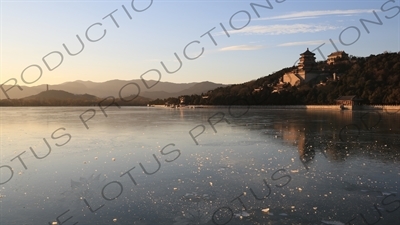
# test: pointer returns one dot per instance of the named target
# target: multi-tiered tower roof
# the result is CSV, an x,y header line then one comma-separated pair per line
x,y
307,61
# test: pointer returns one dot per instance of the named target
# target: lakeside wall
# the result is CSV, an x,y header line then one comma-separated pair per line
x,y
318,107
381,107
335,107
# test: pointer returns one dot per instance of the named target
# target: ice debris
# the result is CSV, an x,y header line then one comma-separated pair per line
x,y
242,214
332,222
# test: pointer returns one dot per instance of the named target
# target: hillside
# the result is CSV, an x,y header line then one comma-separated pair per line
x,y
60,95
375,79
63,98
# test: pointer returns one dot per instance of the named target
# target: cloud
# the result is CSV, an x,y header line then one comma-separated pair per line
x,y
242,48
284,29
317,13
303,18
300,43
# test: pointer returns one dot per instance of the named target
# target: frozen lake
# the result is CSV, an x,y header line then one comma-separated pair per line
x,y
138,165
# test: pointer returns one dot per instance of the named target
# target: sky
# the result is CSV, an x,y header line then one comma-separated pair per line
x,y
128,40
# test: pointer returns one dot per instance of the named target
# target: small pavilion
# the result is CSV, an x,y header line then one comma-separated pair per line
x,y
351,101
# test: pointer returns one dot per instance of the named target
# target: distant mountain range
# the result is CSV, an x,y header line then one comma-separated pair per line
x,y
111,88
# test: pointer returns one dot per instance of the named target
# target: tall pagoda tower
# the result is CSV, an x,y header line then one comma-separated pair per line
x,y
306,70
307,61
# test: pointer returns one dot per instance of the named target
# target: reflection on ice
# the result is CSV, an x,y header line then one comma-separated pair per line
x,y
196,210
331,180
85,188
332,222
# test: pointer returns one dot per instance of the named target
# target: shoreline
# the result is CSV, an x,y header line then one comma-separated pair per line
x,y
277,107
317,107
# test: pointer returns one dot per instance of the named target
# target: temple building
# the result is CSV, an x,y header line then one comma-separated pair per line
x,y
306,70
336,56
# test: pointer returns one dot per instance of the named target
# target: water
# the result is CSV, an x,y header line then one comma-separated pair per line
x,y
142,166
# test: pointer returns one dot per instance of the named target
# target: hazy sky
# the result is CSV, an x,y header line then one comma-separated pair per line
x,y
257,46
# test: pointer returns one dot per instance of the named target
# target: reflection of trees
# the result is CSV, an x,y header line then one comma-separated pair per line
x,y
338,152
309,140
337,135
307,152
292,134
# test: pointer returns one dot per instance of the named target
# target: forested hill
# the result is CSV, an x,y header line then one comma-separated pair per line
x,y
375,79
63,98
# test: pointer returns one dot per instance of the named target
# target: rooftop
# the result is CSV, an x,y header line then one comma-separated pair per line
x,y
337,53
307,52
